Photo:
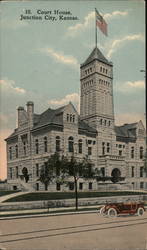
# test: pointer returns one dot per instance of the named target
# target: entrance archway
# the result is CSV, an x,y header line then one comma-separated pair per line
x,y
25,174
116,174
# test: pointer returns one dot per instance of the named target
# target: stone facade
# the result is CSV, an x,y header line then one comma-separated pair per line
x,y
93,134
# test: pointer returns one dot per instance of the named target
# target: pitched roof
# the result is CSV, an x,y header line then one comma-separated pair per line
x,y
49,116
126,130
96,54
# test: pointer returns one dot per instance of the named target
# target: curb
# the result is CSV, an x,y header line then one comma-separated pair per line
x,y
47,215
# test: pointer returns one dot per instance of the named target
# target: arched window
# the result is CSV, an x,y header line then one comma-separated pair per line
x,y
70,144
10,153
70,118
36,146
17,172
58,143
141,152
67,117
80,146
16,151
45,144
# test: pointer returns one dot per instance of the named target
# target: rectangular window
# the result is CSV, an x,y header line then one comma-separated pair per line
x,y
141,171
90,185
103,148
16,172
108,147
71,186
11,173
58,186
132,152
103,172
120,152
37,170
80,186
141,185
132,174
89,150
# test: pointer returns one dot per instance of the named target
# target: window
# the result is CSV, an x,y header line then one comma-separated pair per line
x,y
101,121
141,185
37,170
24,148
141,152
16,151
57,170
71,186
45,144
89,150
67,117
70,144
10,153
16,172
80,146
11,173
90,185
141,171
73,118
133,173
36,146
120,152
58,186
105,122
57,143
80,186
100,69
132,152
70,118
103,148
108,147
109,123
103,172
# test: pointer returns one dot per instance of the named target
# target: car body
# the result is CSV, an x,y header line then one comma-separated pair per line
x,y
114,209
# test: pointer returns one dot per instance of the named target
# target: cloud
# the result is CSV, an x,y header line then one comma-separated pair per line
x,y
114,14
89,20
121,119
74,98
9,85
61,58
116,44
131,86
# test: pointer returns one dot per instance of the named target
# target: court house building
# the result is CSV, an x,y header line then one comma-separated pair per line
x,y
92,134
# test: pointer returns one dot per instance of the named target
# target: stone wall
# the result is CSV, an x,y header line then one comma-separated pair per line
x,y
68,202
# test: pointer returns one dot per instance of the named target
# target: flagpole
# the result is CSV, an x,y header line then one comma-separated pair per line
x,y
95,30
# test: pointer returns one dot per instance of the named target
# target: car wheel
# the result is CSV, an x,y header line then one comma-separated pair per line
x,y
140,211
102,210
112,212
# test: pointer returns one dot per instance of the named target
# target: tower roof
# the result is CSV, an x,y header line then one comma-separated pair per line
x,y
96,54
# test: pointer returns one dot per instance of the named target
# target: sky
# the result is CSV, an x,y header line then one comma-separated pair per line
x,y
40,58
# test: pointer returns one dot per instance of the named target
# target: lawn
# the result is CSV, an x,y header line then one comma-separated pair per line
x,y
3,192
37,196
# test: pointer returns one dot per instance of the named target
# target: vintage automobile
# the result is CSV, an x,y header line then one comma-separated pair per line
x,y
114,209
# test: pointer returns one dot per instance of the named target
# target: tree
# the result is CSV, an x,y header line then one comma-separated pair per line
x,y
50,170
77,169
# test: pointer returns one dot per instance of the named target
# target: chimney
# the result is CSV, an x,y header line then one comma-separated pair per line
x,y
20,115
30,113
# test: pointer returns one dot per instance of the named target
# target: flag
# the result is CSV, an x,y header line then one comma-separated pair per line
x,y
100,22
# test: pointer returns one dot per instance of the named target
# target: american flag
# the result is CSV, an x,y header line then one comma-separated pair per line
x,y
101,23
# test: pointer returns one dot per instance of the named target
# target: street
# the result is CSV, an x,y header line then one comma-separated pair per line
x,y
74,232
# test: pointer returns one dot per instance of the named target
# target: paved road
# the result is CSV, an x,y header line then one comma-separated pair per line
x,y
74,232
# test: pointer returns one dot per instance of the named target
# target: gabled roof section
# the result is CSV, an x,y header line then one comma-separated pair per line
x,y
127,131
50,116
96,54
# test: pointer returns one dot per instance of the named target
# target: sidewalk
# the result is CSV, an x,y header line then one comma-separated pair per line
x,y
46,212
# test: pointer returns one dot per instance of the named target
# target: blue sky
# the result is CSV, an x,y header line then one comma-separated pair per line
x,y
40,59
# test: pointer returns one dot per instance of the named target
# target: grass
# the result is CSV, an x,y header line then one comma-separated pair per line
x,y
37,196
3,192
